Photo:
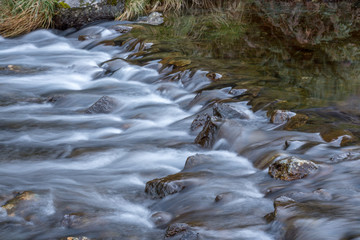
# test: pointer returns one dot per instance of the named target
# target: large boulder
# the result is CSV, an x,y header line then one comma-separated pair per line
x,y
291,168
80,15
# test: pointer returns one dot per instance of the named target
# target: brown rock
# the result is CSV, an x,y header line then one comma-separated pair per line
x,y
206,138
297,121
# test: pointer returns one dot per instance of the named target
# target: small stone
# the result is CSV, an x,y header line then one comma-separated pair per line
x,y
224,197
291,168
214,76
104,105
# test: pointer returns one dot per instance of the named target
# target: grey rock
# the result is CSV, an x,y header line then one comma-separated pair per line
x,y
104,105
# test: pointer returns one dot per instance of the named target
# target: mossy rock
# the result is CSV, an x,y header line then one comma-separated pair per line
x,y
332,134
291,168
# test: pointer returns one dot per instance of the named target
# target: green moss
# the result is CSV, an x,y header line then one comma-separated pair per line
x,y
63,5
112,2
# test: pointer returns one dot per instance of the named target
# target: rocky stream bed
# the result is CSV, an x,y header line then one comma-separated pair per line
x,y
108,135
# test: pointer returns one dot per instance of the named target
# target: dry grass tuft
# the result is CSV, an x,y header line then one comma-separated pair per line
x,y
22,16
135,8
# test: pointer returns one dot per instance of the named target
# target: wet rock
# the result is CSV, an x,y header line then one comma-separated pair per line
x,y
104,105
316,195
214,76
281,116
155,18
227,111
347,156
291,168
181,231
121,28
199,121
16,203
206,138
196,160
237,92
161,187
161,219
296,121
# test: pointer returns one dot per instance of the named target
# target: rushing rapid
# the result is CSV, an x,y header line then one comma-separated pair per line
x,y
70,167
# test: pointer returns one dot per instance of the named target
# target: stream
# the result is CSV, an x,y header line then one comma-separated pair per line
x,y
71,167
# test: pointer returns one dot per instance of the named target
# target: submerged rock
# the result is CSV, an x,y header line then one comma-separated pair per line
x,y
196,160
73,220
161,219
104,105
206,138
181,231
291,168
226,111
281,116
18,201
224,197
76,238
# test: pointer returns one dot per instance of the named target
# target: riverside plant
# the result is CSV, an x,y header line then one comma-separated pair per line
x,y
135,8
22,16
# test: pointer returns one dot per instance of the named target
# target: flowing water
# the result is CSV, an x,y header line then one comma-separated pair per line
x,y
85,172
